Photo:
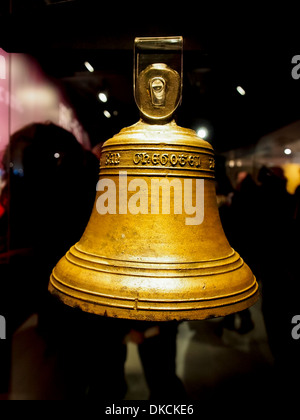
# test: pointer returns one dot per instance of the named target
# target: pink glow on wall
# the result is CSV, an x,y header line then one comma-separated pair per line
x,y
4,101
27,95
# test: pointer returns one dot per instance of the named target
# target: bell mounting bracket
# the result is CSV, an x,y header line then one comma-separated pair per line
x,y
158,77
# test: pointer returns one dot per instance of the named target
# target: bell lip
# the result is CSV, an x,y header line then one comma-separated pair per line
x,y
221,310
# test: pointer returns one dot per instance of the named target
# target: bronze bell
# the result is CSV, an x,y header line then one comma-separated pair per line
x,y
154,248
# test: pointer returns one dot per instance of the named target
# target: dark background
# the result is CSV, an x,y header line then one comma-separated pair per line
x,y
224,46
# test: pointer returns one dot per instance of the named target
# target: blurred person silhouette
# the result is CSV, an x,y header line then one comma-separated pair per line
x,y
52,191
52,182
278,248
242,234
224,193
237,213
51,185
244,213
157,347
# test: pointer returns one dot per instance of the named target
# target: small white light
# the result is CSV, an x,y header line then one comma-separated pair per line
x,y
56,155
231,164
239,163
202,132
103,97
89,67
241,90
287,151
107,114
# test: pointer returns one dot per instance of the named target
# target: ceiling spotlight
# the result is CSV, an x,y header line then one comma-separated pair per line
x,y
241,90
107,114
287,151
89,67
202,132
103,97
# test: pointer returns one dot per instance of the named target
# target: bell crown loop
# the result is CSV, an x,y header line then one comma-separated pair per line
x,y
158,77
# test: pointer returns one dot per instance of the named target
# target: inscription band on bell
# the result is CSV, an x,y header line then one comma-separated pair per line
x,y
156,159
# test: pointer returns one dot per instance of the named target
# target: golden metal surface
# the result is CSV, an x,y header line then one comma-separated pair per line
x,y
154,266
150,264
158,92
